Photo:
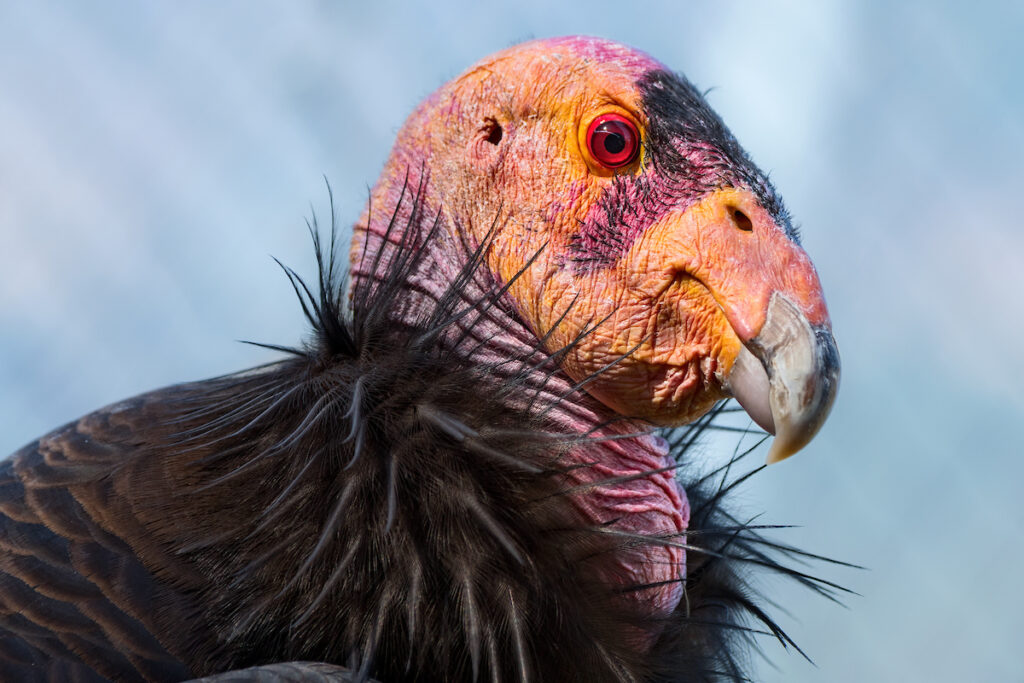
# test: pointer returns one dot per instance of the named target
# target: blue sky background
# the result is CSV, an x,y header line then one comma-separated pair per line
x,y
152,156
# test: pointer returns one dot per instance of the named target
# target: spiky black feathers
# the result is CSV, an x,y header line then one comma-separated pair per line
x,y
386,499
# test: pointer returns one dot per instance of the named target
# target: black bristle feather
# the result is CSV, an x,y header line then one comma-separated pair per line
x,y
436,495
381,501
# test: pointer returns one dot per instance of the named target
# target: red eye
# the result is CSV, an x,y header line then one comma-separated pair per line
x,y
613,140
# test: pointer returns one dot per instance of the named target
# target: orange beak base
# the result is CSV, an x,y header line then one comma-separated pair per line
x,y
785,371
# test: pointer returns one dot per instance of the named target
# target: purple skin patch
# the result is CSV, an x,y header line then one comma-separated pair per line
x,y
635,202
686,157
651,503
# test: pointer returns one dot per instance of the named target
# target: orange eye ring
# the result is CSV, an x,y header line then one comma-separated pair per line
x,y
613,140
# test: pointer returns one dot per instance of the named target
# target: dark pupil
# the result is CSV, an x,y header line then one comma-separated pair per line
x,y
614,142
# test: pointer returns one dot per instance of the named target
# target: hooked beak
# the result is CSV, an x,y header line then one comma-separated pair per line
x,y
786,377
782,365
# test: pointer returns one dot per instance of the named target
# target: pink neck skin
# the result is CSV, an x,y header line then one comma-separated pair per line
x,y
651,504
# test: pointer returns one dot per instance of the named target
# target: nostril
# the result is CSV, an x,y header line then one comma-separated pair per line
x,y
741,221
493,130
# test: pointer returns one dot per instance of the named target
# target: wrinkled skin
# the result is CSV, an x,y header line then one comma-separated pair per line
x,y
654,275
690,284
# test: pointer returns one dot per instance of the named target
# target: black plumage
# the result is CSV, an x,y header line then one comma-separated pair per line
x,y
374,501
456,477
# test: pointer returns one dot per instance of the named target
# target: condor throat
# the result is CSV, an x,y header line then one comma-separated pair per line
x,y
618,476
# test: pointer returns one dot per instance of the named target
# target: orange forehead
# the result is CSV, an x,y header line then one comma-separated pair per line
x,y
546,88
542,95
558,79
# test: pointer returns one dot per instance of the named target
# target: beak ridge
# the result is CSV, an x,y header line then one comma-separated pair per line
x,y
787,376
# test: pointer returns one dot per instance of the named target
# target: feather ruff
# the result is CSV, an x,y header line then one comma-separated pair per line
x,y
381,501
404,511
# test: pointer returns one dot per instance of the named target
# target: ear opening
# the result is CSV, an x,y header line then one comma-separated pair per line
x,y
492,131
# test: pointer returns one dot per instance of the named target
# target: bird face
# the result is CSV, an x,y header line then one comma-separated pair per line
x,y
633,230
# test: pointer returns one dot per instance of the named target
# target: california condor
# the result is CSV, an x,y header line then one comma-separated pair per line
x,y
478,465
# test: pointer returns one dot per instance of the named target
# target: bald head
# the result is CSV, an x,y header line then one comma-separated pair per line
x,y
631,227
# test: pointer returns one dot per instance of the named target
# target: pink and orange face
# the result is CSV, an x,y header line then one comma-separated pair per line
x,y
652,225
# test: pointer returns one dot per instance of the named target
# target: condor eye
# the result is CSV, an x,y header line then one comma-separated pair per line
x,y
613,140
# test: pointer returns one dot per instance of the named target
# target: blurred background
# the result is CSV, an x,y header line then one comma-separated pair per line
x,y
153,156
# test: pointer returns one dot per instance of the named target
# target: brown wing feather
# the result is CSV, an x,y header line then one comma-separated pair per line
x,y
76,601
